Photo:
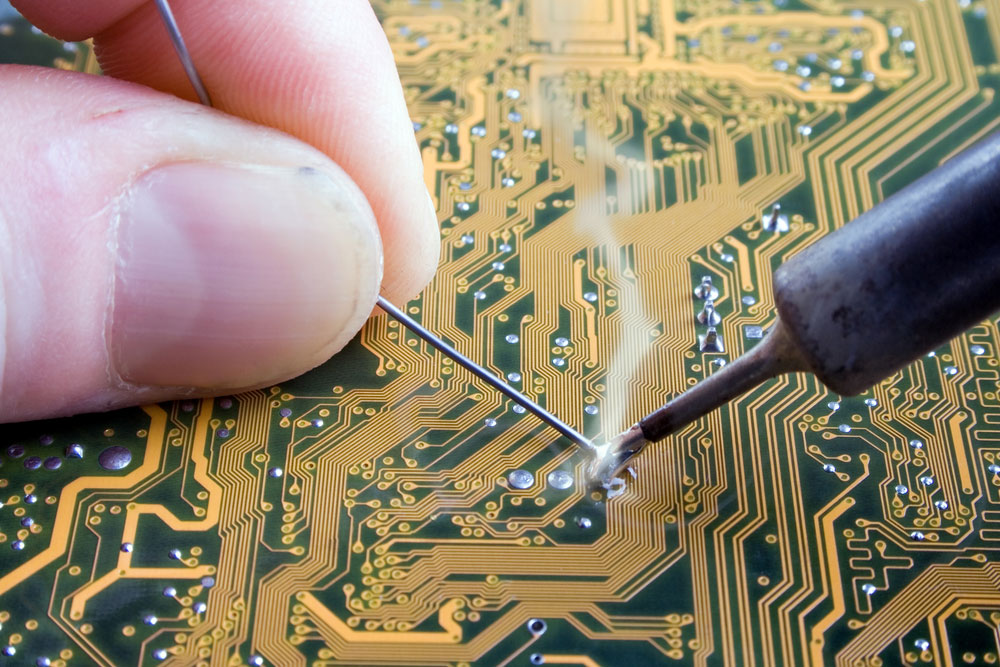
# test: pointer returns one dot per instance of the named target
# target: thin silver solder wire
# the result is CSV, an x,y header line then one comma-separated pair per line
x,y
484,375
531,406
182,51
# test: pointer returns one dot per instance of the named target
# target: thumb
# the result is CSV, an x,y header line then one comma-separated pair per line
x,y
151,248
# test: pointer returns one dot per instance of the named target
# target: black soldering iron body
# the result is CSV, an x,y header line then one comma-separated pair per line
x,y
902,278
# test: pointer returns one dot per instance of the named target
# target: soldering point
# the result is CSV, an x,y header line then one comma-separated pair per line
x,y
775,221
709,315
706,290
711,341
612,458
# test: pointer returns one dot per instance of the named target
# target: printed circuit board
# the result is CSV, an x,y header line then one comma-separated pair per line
x,y
591,162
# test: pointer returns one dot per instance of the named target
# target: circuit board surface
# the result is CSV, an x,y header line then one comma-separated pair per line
x,y
591,161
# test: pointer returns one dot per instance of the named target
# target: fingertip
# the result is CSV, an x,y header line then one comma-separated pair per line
x,y
74,20
404,280
282,277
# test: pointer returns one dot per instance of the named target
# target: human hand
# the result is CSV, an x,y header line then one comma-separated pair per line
x,y
152,248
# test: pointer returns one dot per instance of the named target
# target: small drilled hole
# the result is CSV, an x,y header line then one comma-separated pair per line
x,y
536,626
537,659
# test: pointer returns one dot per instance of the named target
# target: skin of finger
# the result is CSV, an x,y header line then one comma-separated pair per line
x,y
72,20
73,142
320,70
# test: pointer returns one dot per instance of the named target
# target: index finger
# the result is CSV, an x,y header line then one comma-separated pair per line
x,y
319,70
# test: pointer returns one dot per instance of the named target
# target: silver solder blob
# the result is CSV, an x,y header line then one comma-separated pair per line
x,y
711,341
705,290
615,487
559,479
708,314
520,479
114,458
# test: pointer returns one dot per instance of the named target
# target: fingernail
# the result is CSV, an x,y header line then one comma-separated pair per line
x,y
231,276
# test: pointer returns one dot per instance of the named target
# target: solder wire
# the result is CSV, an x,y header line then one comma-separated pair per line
x,y
182,52
484,375
163,7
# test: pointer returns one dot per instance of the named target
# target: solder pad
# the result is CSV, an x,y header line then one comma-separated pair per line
x,y
591,161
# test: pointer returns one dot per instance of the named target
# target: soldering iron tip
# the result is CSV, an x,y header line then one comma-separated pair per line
x,y
612,458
